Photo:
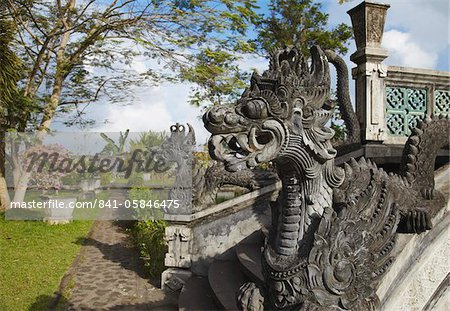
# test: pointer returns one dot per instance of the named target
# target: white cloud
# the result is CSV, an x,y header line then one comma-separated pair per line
x,y
404,51
425,22
158,107
251,62
136,118
155,109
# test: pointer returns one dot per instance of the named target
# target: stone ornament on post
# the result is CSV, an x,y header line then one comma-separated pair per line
x,y
368,20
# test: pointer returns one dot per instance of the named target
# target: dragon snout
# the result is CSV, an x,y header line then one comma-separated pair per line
x,y
215,115
223,119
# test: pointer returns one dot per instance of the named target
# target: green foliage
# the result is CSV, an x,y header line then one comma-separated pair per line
x,y
339,132
140,193
9,63
337,125
14,105
148,232
113,148
203,158
300,23
106,178
148,235
78,52
217,75
135,180
147,141
71,179
144,193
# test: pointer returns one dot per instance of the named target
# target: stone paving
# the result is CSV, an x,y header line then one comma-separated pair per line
x,y
109,275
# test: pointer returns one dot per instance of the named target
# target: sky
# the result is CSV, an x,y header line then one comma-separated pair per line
x,y
416,35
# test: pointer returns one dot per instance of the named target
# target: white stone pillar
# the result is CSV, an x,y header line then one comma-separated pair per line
x,y
368,20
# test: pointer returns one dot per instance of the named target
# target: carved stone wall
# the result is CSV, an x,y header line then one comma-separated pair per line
x,y
195,240
423,276
421,266
404,108
390,100
178,239
368,20
411,95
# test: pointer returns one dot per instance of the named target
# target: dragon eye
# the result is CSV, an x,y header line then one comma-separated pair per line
x,y
282,92
255,109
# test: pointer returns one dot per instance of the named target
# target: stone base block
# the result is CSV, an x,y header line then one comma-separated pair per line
x,y
173,279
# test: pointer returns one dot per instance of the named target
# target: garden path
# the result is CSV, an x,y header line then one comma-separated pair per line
x,y
109,275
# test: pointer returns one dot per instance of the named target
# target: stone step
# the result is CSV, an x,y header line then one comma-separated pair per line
x,y
197,295
249,257
225,278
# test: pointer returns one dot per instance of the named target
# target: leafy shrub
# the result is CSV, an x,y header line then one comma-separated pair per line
x,y
136,180
105,179
140,193
148,235
72,179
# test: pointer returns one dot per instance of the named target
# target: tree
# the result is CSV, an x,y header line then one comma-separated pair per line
x,y
300,23
75,52
111,147
12,103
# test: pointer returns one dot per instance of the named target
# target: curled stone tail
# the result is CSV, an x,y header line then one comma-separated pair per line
x,y
343,96
420,151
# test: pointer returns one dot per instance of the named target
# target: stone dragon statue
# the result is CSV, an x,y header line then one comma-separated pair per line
x,y
205,182
333,229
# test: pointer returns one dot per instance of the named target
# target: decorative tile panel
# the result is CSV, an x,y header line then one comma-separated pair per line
x,y
416,100
441,102
404,108
395,98
396,123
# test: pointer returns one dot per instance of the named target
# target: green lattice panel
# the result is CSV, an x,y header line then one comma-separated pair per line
x,y
416,100
395,98
441,102
404,108
396,122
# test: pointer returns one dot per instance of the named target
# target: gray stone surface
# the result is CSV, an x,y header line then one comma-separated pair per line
x,y
194,241
225,278
421,262
249,257
216,235
197,296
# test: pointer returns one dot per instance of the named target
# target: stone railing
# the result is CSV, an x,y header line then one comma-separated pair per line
x,y
411,95
195,240
390,100
418,278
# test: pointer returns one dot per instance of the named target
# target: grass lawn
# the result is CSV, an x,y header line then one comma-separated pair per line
x,y
34,256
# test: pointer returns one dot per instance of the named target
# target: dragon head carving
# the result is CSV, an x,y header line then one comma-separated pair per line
x,y
285,106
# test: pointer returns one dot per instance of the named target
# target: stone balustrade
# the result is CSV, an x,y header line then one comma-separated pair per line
x,y
411,95
390,100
